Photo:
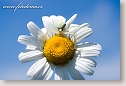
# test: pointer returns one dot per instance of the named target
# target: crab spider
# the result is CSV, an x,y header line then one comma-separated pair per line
x,y
61,32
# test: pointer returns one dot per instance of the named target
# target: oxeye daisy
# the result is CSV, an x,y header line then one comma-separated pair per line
x,y
58,50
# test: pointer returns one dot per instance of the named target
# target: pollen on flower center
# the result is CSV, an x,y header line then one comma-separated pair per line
x,y
59,50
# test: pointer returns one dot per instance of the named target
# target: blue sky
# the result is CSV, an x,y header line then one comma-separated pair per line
x,y
102,15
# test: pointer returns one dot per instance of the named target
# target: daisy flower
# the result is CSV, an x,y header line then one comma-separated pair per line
x,y
58,50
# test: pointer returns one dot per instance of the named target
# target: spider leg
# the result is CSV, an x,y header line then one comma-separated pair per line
x,y
74,37
53,32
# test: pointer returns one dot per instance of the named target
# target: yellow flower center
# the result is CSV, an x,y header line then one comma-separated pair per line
x,y
59,50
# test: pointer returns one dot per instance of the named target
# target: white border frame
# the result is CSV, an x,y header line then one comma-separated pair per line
x,y
121,82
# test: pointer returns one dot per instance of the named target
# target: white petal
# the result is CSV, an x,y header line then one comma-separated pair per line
x,y
84,34
80,31
32,48
61,73
88,61
28,40
61,19
58,73
82,26
44,30
29,47
54,21
45,73
29,55
75,74
70,21
47,34
94,53
83,67
88,46
85,60
58,21
35,31
73,27
36,67
48,24
65,75
48,74
39,74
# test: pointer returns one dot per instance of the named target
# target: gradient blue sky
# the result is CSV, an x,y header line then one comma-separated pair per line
x,y
102,15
